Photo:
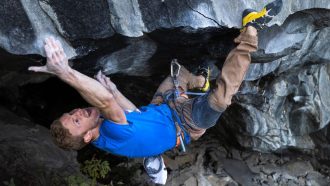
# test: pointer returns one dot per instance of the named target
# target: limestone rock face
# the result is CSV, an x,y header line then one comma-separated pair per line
x,y
283,104
25,24
301,39
284,98
288,99
29,156
132,18
80,19
284,111
119,61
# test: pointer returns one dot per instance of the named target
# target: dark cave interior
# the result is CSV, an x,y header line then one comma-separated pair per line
x,y
46,98
41,98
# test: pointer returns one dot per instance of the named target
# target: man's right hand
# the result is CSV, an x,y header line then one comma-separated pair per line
x,y
57,62
105,82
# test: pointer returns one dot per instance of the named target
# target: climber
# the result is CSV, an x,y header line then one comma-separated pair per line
x,y
116,125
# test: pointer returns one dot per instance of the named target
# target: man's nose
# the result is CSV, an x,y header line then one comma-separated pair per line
x,y
78,112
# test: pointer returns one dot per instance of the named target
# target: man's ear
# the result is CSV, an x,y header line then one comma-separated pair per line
x,y
88,136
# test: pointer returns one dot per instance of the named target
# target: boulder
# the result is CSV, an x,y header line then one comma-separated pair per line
x,y
28,155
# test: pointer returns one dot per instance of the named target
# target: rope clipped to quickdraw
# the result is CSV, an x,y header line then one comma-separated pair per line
x,y
175,71
176,93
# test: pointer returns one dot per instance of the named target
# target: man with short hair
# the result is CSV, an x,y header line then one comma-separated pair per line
x,y
115,125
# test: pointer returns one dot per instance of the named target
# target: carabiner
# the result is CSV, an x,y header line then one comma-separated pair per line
x,y
175,68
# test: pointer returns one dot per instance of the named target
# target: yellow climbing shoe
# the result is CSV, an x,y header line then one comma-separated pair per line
x,y
205,72
259,20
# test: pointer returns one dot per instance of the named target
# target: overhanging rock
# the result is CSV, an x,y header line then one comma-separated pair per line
x,y
25,24
294,48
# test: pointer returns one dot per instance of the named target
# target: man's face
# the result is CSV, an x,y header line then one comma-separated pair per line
x,y
79,121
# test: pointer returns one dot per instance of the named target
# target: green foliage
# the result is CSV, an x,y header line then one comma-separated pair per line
x,y
74,180
9,183
96,168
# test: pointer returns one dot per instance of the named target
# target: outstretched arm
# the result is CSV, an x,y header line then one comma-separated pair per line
x,y
123,102
90,89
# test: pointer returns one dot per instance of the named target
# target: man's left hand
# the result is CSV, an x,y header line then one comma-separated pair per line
x,y
57,62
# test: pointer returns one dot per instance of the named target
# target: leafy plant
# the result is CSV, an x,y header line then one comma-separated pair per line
x,y
74,180
9,183
96,168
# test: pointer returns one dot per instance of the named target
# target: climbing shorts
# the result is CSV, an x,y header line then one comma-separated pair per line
x,y
202,114
196,115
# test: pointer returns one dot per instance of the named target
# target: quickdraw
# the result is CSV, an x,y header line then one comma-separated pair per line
x,y
175,72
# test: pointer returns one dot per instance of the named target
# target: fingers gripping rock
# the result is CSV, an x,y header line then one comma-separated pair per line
x,y
57,62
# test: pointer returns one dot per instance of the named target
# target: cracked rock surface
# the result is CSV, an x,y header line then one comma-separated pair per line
x,y
208,163
28,155
281,110
24,24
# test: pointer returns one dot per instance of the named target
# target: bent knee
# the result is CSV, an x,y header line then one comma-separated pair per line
x,y
219,103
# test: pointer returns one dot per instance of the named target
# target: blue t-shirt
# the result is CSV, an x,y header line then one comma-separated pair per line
x,y
148,133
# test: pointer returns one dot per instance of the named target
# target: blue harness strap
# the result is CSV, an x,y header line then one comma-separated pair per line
x,y
180,132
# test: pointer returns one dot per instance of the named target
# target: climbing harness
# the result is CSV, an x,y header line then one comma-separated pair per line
x,y
172,95
179,132
175,71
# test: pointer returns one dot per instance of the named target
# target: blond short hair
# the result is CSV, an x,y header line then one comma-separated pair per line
x,y
63,138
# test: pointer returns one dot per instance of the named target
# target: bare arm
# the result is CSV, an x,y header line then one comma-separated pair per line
x,y
90,89
112,88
